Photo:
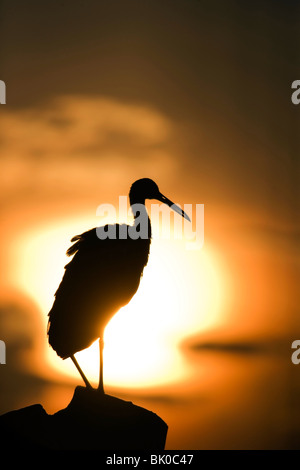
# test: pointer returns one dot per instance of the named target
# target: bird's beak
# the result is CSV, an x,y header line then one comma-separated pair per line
x,y
173,206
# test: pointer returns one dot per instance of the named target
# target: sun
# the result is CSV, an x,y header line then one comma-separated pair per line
x,y
181,292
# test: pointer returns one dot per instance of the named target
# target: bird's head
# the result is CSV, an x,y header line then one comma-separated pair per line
x,y
146,188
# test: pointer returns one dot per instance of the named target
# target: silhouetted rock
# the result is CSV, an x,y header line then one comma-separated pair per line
x,y
90,421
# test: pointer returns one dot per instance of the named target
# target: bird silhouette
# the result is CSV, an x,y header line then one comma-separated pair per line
x,y
102,277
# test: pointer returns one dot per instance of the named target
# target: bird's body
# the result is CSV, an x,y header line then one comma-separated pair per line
x,y
102,277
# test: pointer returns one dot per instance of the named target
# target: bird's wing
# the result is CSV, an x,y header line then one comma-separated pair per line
x,y
113,250
102,276
85,241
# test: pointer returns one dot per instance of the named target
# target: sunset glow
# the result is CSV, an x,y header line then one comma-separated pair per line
x,y
199,98
142,340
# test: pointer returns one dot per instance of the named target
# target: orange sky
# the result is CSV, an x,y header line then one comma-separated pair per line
x,y
196,98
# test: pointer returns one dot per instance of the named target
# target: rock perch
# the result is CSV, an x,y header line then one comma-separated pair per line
x,y
91,421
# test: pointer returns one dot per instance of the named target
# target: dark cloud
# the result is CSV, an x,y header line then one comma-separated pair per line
x,y
17,328
235,348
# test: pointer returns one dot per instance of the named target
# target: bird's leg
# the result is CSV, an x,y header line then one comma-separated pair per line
x,y
101,346
87,383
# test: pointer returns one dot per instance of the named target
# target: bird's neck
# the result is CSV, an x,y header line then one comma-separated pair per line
x,y
141,217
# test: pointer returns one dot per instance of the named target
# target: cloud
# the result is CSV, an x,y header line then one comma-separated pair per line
x,y
77,125
20,325
238,345
73,143
230,347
